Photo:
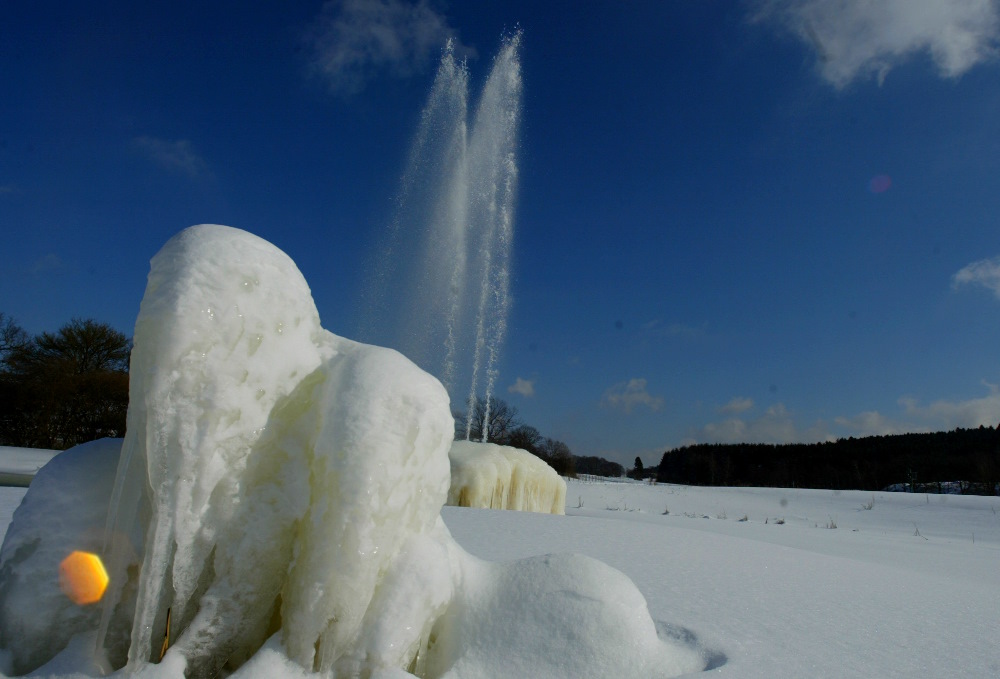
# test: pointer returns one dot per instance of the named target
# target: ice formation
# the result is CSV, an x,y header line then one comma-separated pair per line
x,y
277,499
490,476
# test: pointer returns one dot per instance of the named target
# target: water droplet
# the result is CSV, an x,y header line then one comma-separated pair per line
x,y
255,342
260,393
279,328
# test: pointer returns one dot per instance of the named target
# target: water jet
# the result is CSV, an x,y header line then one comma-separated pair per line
x,y
440,286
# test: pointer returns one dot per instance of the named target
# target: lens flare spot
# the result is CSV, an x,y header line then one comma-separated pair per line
x,y
880,183
82,578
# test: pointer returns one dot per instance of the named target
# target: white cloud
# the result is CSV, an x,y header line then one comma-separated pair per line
x,y
627,395
863,38
737,405
946,415
872,423
985,272
523,387
47,263
8,189
776,425
175,156
657,328
352,40
940,415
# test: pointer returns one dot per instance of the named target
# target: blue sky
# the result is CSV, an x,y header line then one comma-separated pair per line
x,y
763,221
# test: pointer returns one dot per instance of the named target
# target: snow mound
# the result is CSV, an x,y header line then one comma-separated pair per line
x,y
275,511
64,510
489,476
561,616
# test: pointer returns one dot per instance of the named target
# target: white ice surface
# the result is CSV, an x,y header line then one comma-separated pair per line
x,y
488,476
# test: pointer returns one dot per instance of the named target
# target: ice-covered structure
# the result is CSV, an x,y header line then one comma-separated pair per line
x,y
491,476
275,511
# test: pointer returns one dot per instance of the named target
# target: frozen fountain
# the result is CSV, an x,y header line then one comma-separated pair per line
x,y
440,288
275,506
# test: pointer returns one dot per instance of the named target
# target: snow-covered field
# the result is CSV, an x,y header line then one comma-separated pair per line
x,y
871,598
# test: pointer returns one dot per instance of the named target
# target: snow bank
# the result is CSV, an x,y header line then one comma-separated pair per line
x,y
276,505
485,475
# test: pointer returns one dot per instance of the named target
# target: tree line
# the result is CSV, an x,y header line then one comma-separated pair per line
x,y
920,462
59,389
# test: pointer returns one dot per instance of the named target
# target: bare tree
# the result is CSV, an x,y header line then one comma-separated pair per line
x,y
64,388
12,336
79,347
526,438
558,455
493,421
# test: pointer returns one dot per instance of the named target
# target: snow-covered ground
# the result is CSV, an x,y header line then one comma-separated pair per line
x,y
908,588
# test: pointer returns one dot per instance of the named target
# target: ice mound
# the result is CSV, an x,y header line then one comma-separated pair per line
x,y
275,511
489,476
64,510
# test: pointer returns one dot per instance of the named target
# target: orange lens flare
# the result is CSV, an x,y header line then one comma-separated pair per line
x,y
82,578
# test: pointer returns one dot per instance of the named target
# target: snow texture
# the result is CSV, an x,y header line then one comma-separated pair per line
x,y
277,499
488,476
757,598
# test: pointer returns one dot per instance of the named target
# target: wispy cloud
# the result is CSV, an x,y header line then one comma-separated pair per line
x,y
175,156
985,272
352,40
944,415
873,423
627,395
778,424
940,415
8,189
47,264
775,425
523,387
858,39
657,328
737,405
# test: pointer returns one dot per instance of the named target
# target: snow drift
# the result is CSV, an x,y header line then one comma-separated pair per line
x,y
486,475
276,508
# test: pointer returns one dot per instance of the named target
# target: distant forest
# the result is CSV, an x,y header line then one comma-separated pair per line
x,y
917,462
